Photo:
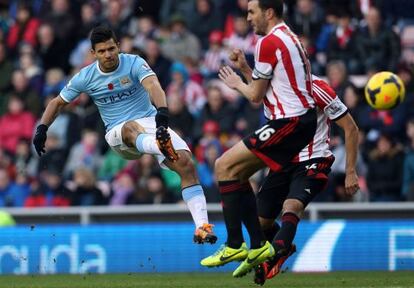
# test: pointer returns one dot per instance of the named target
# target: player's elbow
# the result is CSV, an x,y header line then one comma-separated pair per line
x,y
352,130
256,99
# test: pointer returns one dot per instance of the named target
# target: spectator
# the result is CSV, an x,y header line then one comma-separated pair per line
x,y
51,50
378,47
123,186
181,120
55,81
85,115
84,154
52,192
341,43
31,69
408,172
170,8
307,19
20,88
59,16
215,56
15,125
385,171
159,64
337,75
85,192
55,156
191,92
117,16
239,9
205,170
143,29
156,187
112,163
24,29
6,70
88,19
256,119
181,43
11,193
242,37
216,109
204,18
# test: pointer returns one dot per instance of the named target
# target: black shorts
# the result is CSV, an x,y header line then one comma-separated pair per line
x,y
279,141
301,181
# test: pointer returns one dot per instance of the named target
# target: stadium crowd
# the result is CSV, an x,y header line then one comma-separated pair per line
x,y
44,42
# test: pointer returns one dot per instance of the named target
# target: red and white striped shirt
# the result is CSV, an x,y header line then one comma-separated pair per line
x,y
329,108
280,58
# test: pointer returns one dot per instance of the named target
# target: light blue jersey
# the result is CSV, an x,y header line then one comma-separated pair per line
x,y
119,94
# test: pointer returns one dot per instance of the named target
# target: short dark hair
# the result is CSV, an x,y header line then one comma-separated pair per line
x,y
276,5
101,34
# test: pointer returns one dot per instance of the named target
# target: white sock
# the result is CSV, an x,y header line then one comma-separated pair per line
x,y
196,203
146,143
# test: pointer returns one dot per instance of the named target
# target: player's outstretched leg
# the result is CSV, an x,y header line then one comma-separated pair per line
x,y
193,195
224,255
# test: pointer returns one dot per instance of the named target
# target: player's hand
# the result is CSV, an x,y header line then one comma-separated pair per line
x,y
351,183
238,59
39,139
162,117
229,77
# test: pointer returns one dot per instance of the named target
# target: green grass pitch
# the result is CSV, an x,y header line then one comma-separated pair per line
x,y
207,280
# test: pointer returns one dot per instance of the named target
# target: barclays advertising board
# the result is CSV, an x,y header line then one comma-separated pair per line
x,y
168,247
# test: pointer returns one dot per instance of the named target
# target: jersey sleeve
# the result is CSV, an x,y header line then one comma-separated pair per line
x,y
73,88
265,58
327,100
141,69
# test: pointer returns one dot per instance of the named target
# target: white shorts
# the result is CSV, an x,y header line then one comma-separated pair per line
x,y
114,138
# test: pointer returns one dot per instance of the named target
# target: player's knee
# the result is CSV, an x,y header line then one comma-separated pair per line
x,y
130,131
293,206
220,168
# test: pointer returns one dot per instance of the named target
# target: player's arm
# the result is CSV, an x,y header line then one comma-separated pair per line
x,y
51,112
238,59
157,95
350,128
74,87
326,99
254,91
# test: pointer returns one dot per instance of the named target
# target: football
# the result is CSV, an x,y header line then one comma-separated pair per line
x,y
384,91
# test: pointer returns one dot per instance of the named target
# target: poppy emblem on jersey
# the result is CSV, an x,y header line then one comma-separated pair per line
x,y
111,86
125,81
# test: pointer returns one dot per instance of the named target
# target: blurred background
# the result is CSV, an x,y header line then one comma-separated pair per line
x,y
44,42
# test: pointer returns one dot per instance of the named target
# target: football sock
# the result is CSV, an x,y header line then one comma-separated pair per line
x,y
231,197
271,232
146,143
250,218
284,237
196,203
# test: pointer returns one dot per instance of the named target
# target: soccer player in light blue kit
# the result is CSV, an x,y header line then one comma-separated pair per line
x,y
123,86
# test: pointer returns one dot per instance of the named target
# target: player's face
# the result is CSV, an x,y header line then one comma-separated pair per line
x,y
256,18
107,55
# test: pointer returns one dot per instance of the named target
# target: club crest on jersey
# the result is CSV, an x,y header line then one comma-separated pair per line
x,y
111,86
146,67
125,81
